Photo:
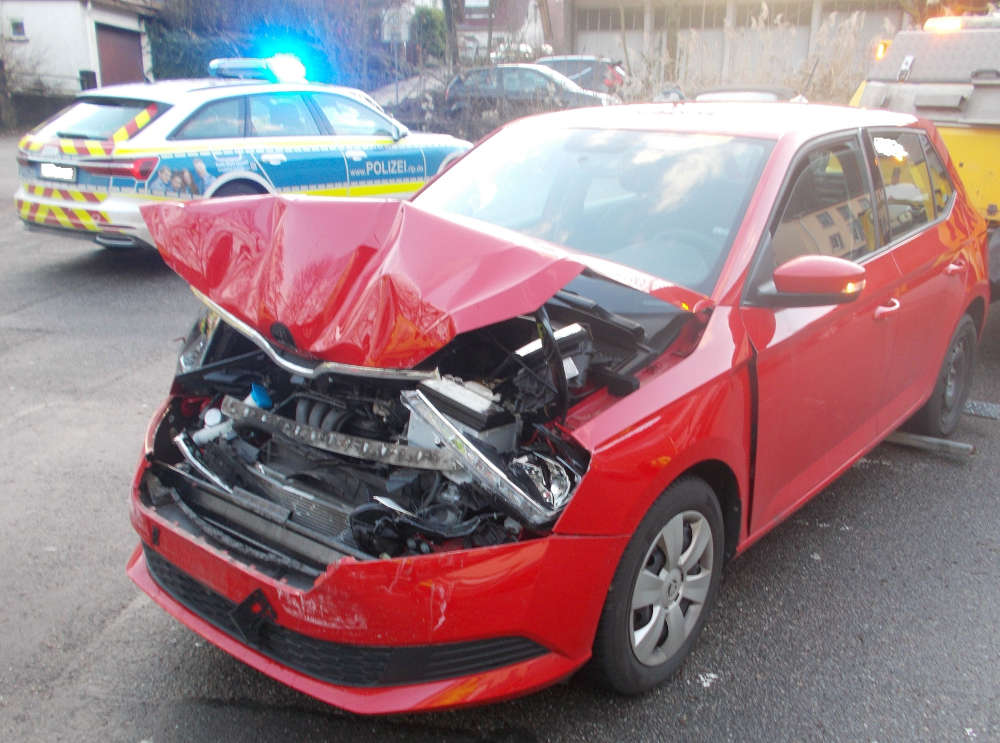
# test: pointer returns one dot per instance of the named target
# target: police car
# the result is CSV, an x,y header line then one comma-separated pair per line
x,y
89,169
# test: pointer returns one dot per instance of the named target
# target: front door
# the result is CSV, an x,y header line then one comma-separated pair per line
x,y
820,369
377,164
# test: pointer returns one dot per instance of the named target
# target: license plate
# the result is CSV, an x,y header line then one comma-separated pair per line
x,y
54,172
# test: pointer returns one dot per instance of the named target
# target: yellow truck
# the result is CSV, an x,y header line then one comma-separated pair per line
x,y
949,72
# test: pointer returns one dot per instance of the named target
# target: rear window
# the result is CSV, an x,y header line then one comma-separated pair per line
x,y
95,118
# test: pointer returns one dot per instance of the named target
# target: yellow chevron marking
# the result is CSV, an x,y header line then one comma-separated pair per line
x,y
95,148
43,209
120,136
25,208
87,220
64,193
24,142
142,118
61,216
67,147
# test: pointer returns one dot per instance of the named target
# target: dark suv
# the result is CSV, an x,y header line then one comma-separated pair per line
x,y
593,73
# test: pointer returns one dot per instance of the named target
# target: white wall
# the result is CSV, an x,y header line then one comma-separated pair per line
x,y
60,40
56,45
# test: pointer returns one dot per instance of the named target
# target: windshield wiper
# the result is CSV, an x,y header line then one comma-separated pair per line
x,y
76,135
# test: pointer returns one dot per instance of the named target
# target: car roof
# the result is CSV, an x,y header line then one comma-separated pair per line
x,y
771,120
173,91
572,58
543,69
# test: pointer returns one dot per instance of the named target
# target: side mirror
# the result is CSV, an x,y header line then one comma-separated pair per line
x,y
813,281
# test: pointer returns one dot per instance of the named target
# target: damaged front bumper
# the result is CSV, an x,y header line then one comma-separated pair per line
x,y
389,635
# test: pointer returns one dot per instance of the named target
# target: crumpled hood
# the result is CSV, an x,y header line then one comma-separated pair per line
x,y
371,283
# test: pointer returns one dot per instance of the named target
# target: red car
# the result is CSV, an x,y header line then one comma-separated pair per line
x,y
449,451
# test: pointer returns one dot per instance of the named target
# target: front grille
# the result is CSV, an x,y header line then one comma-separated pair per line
x,y
337,663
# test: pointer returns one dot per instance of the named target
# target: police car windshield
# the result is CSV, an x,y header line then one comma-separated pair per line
x,y
93,118
665,203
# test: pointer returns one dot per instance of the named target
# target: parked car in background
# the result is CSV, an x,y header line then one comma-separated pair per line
x,y
87,170
599,74
518,89
446,451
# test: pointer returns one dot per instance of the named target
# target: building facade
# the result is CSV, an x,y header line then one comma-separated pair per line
x,y
60,47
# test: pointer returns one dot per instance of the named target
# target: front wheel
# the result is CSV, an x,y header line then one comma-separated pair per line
x,y
940,414
665,584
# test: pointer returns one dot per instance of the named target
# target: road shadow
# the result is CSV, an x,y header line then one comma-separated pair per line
x,y
102,263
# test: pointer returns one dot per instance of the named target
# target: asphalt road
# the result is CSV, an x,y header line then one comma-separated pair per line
x,y
871,615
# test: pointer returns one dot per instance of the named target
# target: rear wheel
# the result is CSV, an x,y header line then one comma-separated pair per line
x,y
665,584
238,188
940,414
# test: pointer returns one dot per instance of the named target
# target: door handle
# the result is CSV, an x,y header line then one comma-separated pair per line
x,y
884,310
955,267
273,158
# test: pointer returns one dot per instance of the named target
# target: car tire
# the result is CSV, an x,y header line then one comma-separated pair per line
x,y
238,188
665,584
941,413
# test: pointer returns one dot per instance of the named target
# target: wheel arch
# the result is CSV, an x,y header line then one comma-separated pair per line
x,y
977,311
722,480
249,179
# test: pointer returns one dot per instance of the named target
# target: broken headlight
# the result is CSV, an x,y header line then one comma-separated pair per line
x,y
534,487
197,343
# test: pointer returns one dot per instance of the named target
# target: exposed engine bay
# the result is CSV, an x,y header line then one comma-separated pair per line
x,y
295,463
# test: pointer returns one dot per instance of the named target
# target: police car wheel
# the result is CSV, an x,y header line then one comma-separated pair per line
x,y
238,188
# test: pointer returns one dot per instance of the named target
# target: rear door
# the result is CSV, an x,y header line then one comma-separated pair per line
x,y
207,149
820,370
915,196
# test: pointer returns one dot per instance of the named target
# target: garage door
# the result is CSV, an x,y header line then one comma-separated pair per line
x,y
120,55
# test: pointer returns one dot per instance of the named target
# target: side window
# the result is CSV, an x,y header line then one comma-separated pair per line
x,y
899,160
481,81
280,115
214,120
350,117
828,210
944,192
524,81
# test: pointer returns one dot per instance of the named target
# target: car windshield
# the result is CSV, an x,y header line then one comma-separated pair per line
x,y
94,118
665,203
